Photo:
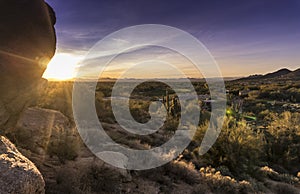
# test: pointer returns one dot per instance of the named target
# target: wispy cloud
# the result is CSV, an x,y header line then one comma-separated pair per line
x,y
238,33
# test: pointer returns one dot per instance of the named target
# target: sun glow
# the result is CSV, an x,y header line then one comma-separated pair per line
x,y
61,67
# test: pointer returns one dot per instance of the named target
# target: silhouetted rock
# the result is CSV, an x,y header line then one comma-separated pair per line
x,y
27,43
17,173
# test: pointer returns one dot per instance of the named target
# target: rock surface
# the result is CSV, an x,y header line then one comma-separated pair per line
x,y
17,173
38,129
4,116
27,43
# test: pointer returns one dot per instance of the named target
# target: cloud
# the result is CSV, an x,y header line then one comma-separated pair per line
x,y
236,32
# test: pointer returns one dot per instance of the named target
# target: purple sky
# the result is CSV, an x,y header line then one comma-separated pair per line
x,y
244,36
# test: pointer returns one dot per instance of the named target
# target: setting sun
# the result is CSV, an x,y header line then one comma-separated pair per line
x,y
61,67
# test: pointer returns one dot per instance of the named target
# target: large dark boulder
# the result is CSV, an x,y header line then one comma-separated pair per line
x,y
27,43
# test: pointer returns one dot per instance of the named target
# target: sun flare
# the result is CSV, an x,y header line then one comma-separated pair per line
x,y
61,67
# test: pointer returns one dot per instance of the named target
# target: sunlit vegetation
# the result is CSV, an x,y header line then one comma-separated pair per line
x,y
258,149
238,147
57,96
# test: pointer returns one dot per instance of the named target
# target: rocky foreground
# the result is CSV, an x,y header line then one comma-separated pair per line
x,y
17,173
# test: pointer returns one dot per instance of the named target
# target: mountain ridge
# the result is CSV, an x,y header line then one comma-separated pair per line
x,y
283,73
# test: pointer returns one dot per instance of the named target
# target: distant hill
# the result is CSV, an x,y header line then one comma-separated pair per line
x,y
293,74
277,74
282,73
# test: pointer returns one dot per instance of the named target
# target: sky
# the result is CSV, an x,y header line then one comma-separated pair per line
x,y
245,37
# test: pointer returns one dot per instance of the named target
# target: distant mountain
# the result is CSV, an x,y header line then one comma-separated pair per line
x,y
294,74
282,73
276,74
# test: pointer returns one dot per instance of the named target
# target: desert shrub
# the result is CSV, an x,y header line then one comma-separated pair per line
x,y
201,188
87,180
182,170
171,125
239,147
100,179
224,184
281,93
164,180
280,188
224,170
139,110
65,148
284,140
204,117
104,111
263,115
105,88
294,94
57,96
66,182
253,94
176,172
272,174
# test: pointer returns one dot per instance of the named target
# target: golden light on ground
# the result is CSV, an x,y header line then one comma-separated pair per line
x,y
61,67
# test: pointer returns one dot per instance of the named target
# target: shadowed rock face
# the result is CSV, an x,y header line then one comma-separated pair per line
x,y
27,43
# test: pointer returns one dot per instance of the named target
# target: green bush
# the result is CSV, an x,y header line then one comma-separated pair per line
x,y
65,148
100,179
238,147
224,184
283,137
